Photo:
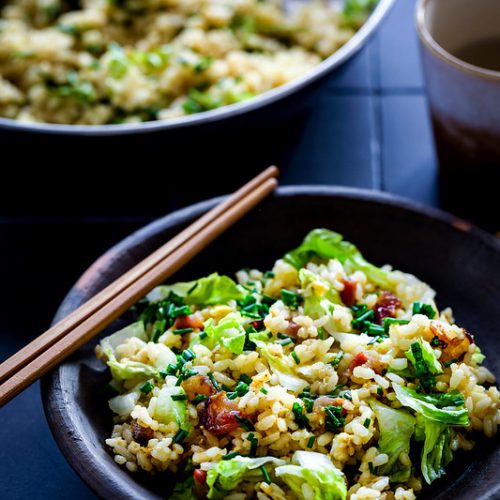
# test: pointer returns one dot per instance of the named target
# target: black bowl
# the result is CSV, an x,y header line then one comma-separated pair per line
x,y
462,264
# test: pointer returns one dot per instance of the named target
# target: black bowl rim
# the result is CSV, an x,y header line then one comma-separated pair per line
x,y
225,112
55,389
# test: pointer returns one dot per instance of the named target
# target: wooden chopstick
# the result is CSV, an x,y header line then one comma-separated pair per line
x,y
111,310
55,333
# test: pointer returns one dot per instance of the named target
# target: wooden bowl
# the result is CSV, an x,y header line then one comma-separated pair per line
x,y
460,262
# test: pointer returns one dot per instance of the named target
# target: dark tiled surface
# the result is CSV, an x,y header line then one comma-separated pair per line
x,y
367,127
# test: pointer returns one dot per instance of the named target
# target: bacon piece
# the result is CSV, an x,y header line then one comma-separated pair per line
x,y
386,306
194,321
200,476
453,347
348,294
258,324
360,359
219,414
141,434
292,329
198,384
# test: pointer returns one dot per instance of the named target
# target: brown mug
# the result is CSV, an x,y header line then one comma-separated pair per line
x,y
464,99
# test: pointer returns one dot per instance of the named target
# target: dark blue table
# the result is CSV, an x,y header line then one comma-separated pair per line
x,y
369,128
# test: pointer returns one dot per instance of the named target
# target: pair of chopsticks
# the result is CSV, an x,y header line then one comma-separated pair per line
x,y
46,351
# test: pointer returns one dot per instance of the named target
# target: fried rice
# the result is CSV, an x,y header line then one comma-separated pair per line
x,y
94,62
324,378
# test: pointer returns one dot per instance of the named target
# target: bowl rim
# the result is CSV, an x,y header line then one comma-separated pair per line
x,y
233,110
56,391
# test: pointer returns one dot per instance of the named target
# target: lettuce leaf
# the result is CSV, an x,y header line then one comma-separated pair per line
x,y
228,474
211,290
436,452
396,429
124,404
169,410
126,370
420,403
229,332
319,295
278,366
316,471
325,244
111,342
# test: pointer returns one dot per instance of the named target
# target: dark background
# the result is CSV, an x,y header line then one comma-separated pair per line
x,y
367,126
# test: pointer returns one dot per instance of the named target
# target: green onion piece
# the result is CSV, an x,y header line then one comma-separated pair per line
x,y
188,355
380,391
291,299
321,333
245,423
449,362
193,288
375,330
285,342
253,446
182,331
147,387
159,328
246,379
179,397
371,468
198,399
425,309
172,369
180,436
310,442
308,404
231,455
263,390
366,423
295,357
267,479
180,311
214,382
269,275
203,335
338,358
300,418
394,321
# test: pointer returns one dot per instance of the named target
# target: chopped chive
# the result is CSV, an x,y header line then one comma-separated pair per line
x,y
245,423
203,335
375,330
180,311
198,399
182,331
449,362
231,455
310,442
250,314
246,379
380,391
394,321
371,468
321,333
180,436
179,397
338,358
172,369
263,390
147,387
291,299
267,479
214,382
193,288
300,418
163,373
425,309
254,442
285,342
366,423
367,315
295,357
269,275
188,355
308,404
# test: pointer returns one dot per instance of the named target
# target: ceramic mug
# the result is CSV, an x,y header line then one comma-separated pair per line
x,y
464,101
